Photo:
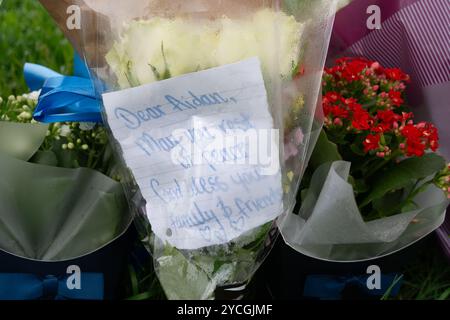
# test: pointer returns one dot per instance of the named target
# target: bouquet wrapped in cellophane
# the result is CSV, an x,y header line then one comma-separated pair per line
x,y
211,105
60,198
376,182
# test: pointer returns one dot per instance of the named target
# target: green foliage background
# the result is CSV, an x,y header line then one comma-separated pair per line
x,y
28,34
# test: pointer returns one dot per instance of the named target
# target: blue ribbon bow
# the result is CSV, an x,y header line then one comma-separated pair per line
x,y
331,287
22,286
63,98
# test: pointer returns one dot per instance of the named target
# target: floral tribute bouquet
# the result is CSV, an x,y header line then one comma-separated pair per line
x,y
376,183
61,205
189,87
47,151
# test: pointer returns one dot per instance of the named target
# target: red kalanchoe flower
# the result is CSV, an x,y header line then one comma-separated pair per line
x,y
331,97
396,74
407,116
361,118
410,132
353,70
388,116
352,104
420,137
372,142
387,119
430,135
396,98
415,148
339,112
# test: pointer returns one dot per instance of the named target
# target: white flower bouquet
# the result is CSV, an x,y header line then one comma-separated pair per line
x,y
211,105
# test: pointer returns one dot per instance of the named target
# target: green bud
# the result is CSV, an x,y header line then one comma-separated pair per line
x,y
70,145
64,146
84,147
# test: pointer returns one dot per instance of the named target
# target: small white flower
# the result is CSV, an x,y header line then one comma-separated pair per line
x,y
34,95
65,131
85,126
70,145
25,115
84,147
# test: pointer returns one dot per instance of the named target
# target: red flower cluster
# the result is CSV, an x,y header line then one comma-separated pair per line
x,y
419,138
338,109
363,98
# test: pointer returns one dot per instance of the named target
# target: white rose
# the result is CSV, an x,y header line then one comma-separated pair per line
x,y
193,45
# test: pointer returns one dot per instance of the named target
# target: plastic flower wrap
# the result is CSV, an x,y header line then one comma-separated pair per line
x,y
46,213
192,91
376,183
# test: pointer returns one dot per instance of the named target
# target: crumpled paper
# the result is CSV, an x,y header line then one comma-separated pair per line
x,y
330,227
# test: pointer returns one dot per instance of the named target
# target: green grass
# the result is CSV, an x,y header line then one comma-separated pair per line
x,y
28,34
428,277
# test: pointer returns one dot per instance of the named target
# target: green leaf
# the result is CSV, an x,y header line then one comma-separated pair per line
x,y
359,185
445,295
142,296
401,175
325,151
389,204
357,150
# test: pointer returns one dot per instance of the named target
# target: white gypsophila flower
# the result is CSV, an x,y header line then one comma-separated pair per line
x,y
65,131
25,115
186,45
34,95
87,126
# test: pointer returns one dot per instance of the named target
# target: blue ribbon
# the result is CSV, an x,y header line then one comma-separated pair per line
x,y
330,287
63,98
22,286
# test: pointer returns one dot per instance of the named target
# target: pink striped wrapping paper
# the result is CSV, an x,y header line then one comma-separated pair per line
x,y
414,36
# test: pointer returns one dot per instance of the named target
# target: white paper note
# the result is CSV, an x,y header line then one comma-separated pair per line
x,y
203,151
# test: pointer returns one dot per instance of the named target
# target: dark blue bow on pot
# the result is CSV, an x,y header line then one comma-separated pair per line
x,y
23,286
331,287
63,98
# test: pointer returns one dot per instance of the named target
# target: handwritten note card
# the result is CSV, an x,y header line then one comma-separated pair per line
x,y
203,151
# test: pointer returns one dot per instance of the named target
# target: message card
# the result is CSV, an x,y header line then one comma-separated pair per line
x,y
203,150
